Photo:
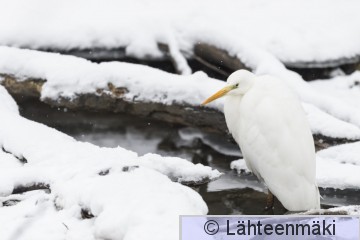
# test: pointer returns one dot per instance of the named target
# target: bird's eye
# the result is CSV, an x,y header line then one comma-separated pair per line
x,y
236,85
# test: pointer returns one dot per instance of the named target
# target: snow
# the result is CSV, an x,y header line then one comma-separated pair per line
x,y
342,163
349,210
239,166
136,193
8,103
346,88
262,62
325,124
301,30
67,76
143,194
336,167
262,35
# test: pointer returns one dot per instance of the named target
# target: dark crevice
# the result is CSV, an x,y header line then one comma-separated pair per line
x,y
31,187
10,202
129,168
22,159
322,142
86,213
104,172
325,72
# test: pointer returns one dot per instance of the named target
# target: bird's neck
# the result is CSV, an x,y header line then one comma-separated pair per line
x,y
232,113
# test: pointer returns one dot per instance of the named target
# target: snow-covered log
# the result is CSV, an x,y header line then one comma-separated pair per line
x,y
213,60
112,100
75,83
344,210
300,37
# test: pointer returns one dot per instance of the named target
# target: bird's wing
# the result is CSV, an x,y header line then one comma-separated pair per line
x,y
276,141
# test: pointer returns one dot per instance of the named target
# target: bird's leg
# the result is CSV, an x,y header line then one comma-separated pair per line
x,y
269,201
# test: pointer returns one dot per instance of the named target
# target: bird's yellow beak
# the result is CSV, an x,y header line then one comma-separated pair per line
x,y
222,92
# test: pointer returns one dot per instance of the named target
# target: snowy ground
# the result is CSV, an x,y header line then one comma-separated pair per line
x,y
133,189
140,197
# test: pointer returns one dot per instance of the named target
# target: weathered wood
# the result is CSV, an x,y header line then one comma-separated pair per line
x,y
331,63
331,211
219,58
112,100
29,87
93,54
312,73
166,50
212,60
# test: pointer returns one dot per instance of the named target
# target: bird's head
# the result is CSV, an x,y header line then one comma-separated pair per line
x,y
238,83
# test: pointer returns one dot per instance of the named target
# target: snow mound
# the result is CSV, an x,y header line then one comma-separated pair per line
x,y
339,166
336,167
124,195
302,30
343,87
325,124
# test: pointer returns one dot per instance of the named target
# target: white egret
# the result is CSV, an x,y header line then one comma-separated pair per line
x,y
268,122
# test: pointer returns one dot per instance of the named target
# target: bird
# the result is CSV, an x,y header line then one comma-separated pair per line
x,y
266,119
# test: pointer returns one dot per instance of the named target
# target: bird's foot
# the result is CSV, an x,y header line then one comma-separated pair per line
x,y
269,201
267,208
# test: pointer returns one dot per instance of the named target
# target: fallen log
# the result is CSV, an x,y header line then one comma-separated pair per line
x,y
213,60
113,100
344,210
218,59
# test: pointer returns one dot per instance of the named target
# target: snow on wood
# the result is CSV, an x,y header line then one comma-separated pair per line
x,y
296,32
82,191
345,210
75,83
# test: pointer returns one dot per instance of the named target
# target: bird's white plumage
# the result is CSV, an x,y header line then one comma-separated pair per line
x,y
267,120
